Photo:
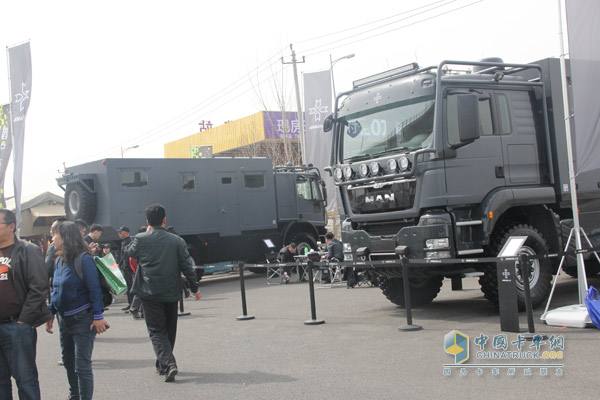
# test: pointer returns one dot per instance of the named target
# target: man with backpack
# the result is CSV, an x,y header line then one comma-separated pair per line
x,y
162,258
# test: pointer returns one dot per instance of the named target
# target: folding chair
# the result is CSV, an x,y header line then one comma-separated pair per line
x,y
274,271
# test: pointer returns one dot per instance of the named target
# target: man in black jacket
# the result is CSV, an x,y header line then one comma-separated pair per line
x,y
162,258
23,294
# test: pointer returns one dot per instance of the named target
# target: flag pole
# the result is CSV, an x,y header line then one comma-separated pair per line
x,y
10,119
581,278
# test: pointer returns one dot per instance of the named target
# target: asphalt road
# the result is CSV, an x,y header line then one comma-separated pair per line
x,y
357,354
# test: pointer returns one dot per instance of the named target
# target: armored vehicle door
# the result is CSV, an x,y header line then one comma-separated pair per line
x,y
475,169
309,197
227,205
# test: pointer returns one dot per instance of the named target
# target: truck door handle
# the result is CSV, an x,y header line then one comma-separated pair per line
x,y
499,172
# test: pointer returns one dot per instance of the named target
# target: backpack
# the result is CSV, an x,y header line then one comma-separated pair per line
x,y
107,297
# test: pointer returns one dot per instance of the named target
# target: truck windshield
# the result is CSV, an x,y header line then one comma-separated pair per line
x,y
401,126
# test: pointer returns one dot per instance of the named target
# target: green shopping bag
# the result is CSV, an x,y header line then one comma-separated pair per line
x,y
109,269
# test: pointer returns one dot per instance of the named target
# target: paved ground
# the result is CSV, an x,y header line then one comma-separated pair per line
x,y
358,354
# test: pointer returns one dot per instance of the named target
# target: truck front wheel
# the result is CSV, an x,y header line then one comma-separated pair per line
x,y
422,290
304,243
540,271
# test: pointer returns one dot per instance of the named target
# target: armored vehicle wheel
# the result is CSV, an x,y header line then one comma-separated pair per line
x,y
540,271
422,290
80,203
304,243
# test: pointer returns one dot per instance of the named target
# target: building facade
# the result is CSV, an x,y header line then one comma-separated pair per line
x,y
271,134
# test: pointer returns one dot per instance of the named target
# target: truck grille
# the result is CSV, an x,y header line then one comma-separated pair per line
x,y
394,196
383,229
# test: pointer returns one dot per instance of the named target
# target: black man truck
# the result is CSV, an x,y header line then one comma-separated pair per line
x,y
450,161
224,208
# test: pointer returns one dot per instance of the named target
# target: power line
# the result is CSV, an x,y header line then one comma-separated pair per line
x,y
368,23
226,90
329,46
323,48
181,119
226,102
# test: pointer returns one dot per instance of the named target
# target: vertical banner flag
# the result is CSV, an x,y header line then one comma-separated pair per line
x,y
5,147
317,106
19,59
584,53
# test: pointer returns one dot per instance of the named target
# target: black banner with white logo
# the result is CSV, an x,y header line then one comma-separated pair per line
x,y
19,59
5,148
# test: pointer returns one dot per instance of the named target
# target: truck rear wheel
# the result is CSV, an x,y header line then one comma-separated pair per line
x,y
540,271
422,290
592,267
80,203
304,243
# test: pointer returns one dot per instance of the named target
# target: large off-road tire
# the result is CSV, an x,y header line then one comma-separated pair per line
x,y
422,290
540,276
80,203
304,242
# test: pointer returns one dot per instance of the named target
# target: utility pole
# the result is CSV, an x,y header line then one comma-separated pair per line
x,y
298,102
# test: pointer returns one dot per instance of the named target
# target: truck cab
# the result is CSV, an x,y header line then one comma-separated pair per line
x,y
450,160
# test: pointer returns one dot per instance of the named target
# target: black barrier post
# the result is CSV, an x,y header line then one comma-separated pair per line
x,y
311,289
401,251
507,296
244,315
182,312
524,264
456,283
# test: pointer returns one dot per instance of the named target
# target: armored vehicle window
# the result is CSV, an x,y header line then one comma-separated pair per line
x,y
254,181
189,182
503,114
226,180
132,178
485,117
303,188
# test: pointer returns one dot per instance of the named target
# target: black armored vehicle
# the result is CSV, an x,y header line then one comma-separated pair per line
x,y
450,161
225,208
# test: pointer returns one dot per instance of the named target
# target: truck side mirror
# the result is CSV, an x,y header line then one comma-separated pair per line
x,y
324,191
468,118
328,123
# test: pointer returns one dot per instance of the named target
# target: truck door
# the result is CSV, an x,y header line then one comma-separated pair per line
x,y
515,123
310,199
228,213
476,168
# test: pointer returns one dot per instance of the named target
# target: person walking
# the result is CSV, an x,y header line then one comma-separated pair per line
x,y
162,258
124,266
23,294
77,301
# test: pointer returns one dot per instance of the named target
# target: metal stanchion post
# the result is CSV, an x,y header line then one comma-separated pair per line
x,y
457,283
244,315
182,312
311,289
401,251
524,264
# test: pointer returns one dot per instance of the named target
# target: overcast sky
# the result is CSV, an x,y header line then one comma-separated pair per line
x,y
121,73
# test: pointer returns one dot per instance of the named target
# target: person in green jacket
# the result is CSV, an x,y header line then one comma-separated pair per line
x,y
162,258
